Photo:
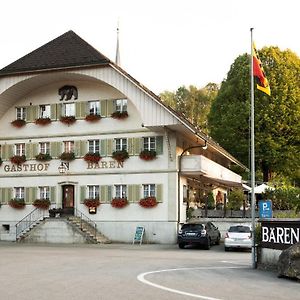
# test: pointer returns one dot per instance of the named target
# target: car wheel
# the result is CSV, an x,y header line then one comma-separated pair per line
x,y
218,240
181,245
207,246
227,249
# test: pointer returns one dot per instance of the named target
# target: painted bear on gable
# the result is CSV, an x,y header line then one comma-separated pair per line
x,y
68,91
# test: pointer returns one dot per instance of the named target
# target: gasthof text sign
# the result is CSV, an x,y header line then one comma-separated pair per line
x,y
139,233
265,209
279,234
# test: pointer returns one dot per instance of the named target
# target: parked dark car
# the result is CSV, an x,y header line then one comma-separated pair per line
x,y
202,233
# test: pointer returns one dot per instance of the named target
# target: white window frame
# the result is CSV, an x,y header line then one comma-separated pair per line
x,y
68,146
44,192
44,147
19,192
20,149
121,105
121,144
94,146
94,107
21,113
44,111
121,191
149,190
93,191
149,143
69,109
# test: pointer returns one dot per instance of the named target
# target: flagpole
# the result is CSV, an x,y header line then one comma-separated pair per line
x,y
253,201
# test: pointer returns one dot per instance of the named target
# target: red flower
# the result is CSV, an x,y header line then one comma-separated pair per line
x,y
148,202
18,123
119,202
43,121
148,155
119,115
92,157
92,202
92,118
68,120
17,203
42,203
18,159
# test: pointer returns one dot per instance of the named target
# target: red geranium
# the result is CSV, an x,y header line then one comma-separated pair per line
x,y
92,202
119,202
148,202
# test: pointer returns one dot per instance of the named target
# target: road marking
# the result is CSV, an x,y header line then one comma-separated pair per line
x,y
141,278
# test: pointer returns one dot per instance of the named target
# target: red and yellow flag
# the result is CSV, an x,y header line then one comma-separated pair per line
x,y
258,72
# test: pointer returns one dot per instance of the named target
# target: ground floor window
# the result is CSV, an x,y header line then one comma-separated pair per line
x,y
93,191
149,190
121,191
44,192
19,192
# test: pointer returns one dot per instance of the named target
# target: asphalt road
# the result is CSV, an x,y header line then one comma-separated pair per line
x,y
127,272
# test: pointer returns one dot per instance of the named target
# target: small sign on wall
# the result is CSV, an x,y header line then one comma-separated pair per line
x,y
139,233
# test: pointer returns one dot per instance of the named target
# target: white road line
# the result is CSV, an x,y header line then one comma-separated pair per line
x,y
141,278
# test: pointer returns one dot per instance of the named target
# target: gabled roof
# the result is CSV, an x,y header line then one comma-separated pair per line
x,y
67,50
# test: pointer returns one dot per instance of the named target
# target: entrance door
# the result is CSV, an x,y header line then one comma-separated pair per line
x,y
68,199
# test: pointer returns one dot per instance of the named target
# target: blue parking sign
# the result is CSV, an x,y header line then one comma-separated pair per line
x,y
265,209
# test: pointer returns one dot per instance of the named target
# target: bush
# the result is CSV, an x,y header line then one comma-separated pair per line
x,y
235,199
210,201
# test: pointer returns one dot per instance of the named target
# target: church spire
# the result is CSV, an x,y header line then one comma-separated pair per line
x,y
117,50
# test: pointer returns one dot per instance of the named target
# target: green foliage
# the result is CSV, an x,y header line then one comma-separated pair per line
x,y
257,234
277,118
210,201
235,199
287,214
189,212
193,103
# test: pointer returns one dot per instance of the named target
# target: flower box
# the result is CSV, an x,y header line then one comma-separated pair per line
x,y
92,157
148,202
69,120
43,157
120,156
119,115
91,202
18,159
119,202
17,203
92,118
67,156
42,203
43,121
148,155
18,123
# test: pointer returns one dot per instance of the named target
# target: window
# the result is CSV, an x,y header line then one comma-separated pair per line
x,y
149,143
69,146
94,108
121,191
69,109
94,146
121,144
45,148
19,192
21,113
19,149
44,111
93,191
121,105
44,192
149,190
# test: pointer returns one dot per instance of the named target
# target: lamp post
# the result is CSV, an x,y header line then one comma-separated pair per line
x,y
179,173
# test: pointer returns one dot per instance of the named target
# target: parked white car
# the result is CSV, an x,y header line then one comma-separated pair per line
x,y
238,236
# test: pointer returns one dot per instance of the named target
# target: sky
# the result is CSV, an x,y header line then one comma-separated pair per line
x,y
164,44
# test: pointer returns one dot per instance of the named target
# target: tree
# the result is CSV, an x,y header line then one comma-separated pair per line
x,y
235,199
277,118
193,103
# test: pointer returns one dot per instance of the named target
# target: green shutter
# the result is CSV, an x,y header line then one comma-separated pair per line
x,y
133,193
105,193
83,148
34,150
31,113
130,146
77,148
29,151
55,149
7,151
82,193
59,111
53,112
109,146
103,108
53,194
80,110
159,196
30,195
103,148
159,145
6,195
137,146
111,107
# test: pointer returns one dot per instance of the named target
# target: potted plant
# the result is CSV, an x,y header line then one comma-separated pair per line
x,y
119,202
69,120
92,117
120,155
17,203
18,159
42,203
43,121
147,154
43,157
92,157
119,115
67,156
18,123
148,202
91,202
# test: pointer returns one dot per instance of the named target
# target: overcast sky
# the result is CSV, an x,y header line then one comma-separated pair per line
x,y
164,44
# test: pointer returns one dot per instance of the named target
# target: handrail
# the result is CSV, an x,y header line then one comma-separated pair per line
x,y
29,220
86,219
